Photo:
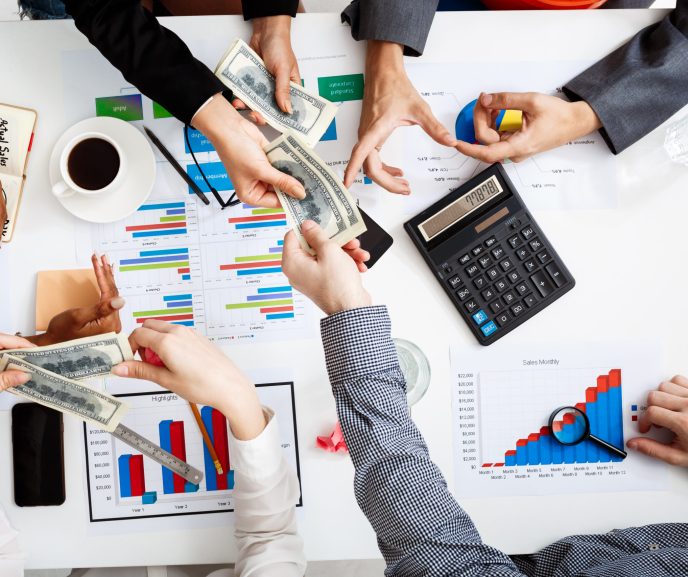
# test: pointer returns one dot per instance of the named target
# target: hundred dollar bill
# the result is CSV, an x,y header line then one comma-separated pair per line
x,y
79,359
327,201
242,70
65,395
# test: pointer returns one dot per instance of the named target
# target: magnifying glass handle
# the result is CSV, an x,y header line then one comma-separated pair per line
x,y
611,448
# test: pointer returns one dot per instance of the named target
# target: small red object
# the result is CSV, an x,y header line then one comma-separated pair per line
x,y
335,442
152,358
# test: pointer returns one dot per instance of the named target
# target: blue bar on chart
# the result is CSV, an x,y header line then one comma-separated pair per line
x,y
165,219
250,217
148,260
603,409
178,311
276,303
216,425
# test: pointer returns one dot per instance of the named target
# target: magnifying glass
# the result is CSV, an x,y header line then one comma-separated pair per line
x,y
571,426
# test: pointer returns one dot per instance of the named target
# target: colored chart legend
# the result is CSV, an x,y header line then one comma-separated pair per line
x,y
178,311
258,264
148,260
259,218
604,411
127,107
275,303
166,219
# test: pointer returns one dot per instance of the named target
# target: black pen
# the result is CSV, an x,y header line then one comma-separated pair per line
x,y
180,171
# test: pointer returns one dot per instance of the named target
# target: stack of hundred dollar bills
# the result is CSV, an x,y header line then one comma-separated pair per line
x,y
327,201
58,371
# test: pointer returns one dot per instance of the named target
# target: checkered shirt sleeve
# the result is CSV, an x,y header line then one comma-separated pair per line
x,y
421,529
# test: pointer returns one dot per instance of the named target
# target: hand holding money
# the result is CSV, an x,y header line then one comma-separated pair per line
x,y
13,378
245,73
327,201
330,280
271,40
239,144
54,372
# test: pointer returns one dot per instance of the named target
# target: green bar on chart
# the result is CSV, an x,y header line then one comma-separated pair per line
x,y
258,304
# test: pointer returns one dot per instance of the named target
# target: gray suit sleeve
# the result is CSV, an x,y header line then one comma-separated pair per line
x,y
641,84
405,22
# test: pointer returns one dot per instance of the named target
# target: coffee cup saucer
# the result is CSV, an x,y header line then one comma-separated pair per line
x,y
136,185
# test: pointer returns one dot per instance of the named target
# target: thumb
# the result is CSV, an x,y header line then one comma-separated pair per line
x,y
315,236
284,183
294,258
507,100
13,378
283,89
660,451
435,129
143,371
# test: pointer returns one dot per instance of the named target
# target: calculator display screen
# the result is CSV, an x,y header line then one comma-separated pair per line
x,y
460,208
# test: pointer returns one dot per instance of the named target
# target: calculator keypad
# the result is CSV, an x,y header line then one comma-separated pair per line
x,y
500,282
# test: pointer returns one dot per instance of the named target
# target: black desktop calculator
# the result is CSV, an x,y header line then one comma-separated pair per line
x,y
489,254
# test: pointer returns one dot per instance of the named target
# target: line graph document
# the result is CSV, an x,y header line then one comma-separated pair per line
x,y
502,399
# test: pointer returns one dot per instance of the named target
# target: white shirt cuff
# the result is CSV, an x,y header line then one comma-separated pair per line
x,y
203,106
259,457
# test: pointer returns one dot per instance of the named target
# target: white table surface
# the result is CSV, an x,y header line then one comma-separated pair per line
x,y
629,265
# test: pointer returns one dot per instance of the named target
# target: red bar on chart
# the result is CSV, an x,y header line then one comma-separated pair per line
x,y
581,407
498,465
156,226
487,464
183,270
256,218
591,395
245,265
534,437
544,431
136,476
188,317
179,451
614,378
221,446
603,383
277,309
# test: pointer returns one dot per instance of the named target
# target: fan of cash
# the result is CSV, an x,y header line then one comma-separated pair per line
x,y
56,372
327,201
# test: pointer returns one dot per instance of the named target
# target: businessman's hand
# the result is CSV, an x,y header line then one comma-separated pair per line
x,y
548,122
666,407
389,101
271,39
239,144
331,278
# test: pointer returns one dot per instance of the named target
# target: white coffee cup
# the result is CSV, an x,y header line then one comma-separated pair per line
x,y
67,187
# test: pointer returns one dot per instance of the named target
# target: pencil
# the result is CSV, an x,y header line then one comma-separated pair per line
x,y
206,438
180,171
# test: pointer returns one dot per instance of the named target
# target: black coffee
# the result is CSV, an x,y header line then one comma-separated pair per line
x,y
93,163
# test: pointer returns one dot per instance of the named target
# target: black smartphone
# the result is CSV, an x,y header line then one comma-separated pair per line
x,y
375,240
38,455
